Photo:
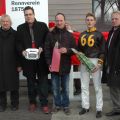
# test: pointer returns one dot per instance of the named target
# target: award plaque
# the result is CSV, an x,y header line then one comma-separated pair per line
x,y
32,54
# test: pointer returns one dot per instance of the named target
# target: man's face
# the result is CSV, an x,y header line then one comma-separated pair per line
x,y
60,21
5,23
29,16
90,22
115,19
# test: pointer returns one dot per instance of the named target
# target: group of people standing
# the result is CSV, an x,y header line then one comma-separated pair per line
x,y
35,34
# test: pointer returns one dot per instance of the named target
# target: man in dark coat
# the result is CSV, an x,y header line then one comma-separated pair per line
x,y
111,71
9,79
64,41
31,34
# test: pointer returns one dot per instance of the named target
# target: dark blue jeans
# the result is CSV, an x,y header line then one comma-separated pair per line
x,y
60,86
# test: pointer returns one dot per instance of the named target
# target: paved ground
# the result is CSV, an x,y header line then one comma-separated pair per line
x,y
76,105
23,114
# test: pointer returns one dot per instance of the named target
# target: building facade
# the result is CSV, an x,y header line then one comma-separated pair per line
x,y
74,10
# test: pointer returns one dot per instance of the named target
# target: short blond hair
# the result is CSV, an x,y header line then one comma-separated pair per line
x,y
114,12
91,15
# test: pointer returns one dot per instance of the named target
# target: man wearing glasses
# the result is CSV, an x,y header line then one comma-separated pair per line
x,y
31,34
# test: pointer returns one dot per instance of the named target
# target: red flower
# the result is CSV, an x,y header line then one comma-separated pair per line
x,y
51,24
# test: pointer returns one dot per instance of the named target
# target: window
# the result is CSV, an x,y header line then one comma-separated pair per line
x,y
103,10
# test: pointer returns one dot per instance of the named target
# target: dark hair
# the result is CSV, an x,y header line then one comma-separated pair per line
x,y
60,14
29,8
90,14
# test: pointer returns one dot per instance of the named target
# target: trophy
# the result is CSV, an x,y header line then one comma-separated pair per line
x,y
32,54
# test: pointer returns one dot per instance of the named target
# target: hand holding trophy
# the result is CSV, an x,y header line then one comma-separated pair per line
x,y
32,53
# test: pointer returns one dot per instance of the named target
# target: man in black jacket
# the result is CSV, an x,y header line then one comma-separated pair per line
x,y
32,34
64,41
111,71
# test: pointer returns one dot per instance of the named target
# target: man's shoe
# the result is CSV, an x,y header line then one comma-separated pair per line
x,y
2,108
112,113
83,111
98,114
32,107
45,109
77,92
56,109
14,107
67,111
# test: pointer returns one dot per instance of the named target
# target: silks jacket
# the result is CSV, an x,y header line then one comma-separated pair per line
x,y
92,44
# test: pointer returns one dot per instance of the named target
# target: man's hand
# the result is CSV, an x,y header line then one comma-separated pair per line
x,y
40,50
19,69
50,68
24,53
97,67
63,50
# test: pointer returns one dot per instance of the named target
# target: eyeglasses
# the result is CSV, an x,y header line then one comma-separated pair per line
x,y
28,14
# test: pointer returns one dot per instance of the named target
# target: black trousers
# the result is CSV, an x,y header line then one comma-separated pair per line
x,y
77,82
38,87
14,97
115,96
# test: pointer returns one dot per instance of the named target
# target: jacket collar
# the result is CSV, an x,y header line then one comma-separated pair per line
x,y
35,21
115,35
56,29
92,29
10,30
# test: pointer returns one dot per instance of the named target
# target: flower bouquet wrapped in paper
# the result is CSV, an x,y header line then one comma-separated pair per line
x,y
90,66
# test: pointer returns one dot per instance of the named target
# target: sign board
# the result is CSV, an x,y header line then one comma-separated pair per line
x,y
14,8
